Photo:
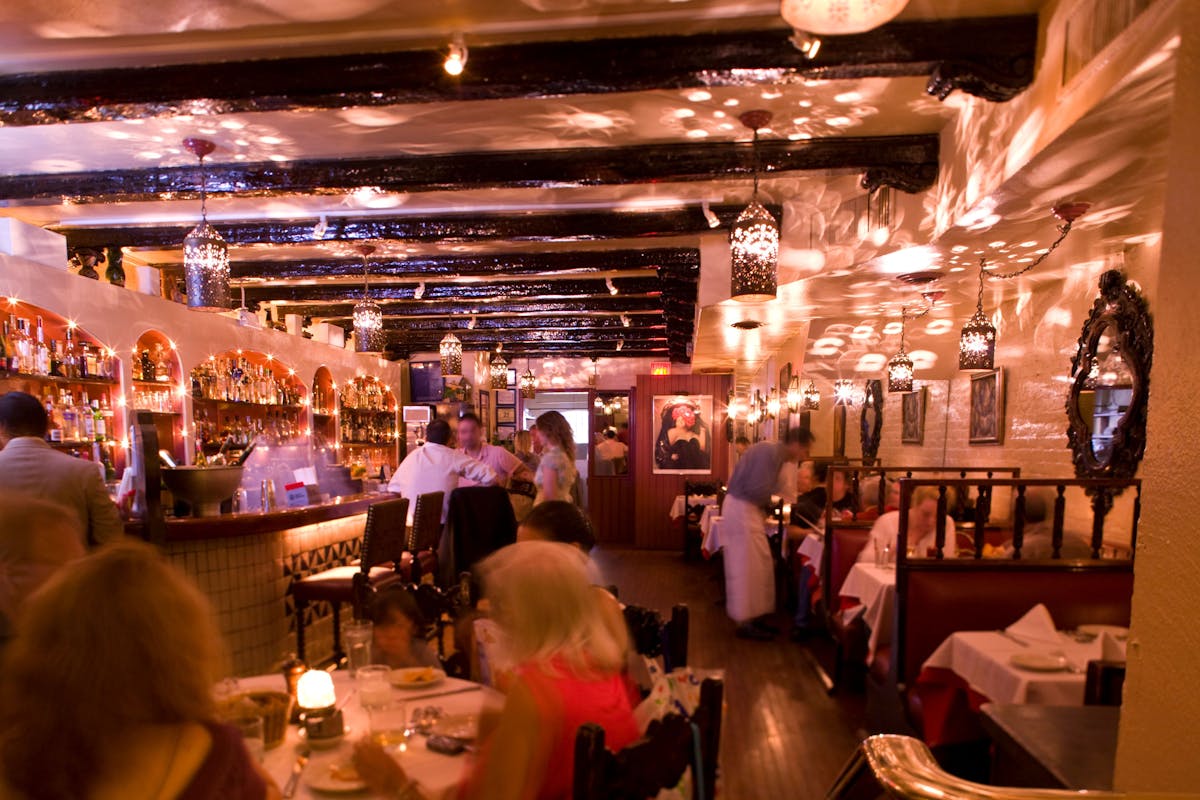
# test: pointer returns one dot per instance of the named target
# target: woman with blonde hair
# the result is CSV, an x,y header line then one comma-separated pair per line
x,y
523,450
106,691
556,477
922,528
569,671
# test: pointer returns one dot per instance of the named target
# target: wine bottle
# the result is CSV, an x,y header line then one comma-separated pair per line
x,y
70,356
41,350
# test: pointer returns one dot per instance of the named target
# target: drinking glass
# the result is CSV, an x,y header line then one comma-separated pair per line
x,y
389,725
251,729
357,635
374,690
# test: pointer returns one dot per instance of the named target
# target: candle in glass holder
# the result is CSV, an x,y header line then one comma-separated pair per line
x,y
317,700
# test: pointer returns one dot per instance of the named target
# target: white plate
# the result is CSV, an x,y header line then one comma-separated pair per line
x,y
458,726
1116,631
407,678
1039,662
319,777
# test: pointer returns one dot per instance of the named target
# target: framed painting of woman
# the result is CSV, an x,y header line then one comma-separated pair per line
x,y
682,434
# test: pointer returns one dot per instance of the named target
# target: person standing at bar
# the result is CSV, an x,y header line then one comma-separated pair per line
x,y
749,568
30,466
503,463
435,467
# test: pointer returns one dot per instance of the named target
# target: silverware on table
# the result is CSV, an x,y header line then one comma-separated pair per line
x,y
474,688
1014,638
293,782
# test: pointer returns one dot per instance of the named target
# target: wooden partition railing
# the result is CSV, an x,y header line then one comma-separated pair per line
x,y
855,475
1020,487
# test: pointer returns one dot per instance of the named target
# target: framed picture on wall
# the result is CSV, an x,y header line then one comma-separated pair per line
x,y
512,376
987,408
912,417
506,397
506,416
505,432
485,409
682,430
785,415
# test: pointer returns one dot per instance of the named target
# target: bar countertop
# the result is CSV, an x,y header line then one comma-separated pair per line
x,y
181,529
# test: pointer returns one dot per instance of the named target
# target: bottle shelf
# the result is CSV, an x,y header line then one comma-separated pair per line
x,y
381,412
76,444
55,379
245,404
368,444
154,384
154,413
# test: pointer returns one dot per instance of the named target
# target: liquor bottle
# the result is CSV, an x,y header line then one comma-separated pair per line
x,y
56,366
41,350
145,367
87,423
70,423
70,356
4,346
99,423
24,347
55,429
162,366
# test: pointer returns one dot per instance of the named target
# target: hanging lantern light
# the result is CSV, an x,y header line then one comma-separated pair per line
x,y
450,350
977,340
205,253
843,392
773,404
498,370
900,366
529,383
795,397
837,17
367,316
754,238
812,398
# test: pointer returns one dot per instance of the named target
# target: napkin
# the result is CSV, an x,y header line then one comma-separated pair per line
x,y
1111,649
1035,626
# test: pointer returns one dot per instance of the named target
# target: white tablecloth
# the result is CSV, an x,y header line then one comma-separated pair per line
x,y
437,774
981,658
875,589
710,526
678,510
812,547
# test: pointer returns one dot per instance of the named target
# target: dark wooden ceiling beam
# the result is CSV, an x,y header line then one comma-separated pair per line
x,y
530,306
482,340
582,166
500,326
563,226
971,54
465,292
472,265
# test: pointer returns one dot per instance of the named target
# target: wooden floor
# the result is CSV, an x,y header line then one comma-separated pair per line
x,y
783,735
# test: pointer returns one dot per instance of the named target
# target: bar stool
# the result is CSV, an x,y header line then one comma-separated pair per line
x,y
426,534
383,549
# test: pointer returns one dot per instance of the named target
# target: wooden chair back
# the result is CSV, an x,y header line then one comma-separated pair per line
x,y
385,537
427,522
652,637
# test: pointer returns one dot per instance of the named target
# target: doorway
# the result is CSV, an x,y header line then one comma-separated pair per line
x,y
576,408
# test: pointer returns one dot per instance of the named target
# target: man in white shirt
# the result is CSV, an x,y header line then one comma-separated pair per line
x,y
613,450
30,466
922,528
435,467
471,442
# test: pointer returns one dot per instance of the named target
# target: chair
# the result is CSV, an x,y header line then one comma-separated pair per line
x,y
426,535
382,564
658,760
652,637
1105,683
692,535
481,522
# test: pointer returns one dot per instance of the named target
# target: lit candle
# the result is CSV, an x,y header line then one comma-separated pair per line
x,y
315,690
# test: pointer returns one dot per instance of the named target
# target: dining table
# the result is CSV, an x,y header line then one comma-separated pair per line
x,y
870,591
680,504
437,775
711,526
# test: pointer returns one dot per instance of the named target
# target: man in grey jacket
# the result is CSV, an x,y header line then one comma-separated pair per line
x,y
29,466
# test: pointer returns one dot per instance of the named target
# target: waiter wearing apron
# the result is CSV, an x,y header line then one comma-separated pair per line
x,y
749,569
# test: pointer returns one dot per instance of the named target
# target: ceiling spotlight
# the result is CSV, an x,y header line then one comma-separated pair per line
x,y
842,17
419,292
710,216
612,287
456,57
808,44
626,321
321,228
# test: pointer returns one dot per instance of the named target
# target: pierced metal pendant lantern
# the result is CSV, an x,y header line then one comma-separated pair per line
x,y
367,316
450,349
754,238
498,370
205,252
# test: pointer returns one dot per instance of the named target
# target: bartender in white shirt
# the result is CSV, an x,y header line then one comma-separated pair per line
x,y
471,442
922,528
435,467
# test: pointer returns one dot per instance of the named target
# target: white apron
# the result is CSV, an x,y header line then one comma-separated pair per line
x,y
749,570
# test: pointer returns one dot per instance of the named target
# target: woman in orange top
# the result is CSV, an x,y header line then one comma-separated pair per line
x,y
570,672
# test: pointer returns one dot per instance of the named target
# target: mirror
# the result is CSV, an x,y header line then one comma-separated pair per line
x,y
1110,375
610,426
871,422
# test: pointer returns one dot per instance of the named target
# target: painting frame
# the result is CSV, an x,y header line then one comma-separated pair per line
x,y
785,413
912,416
986,422
485,411
506,397
681,449
506,415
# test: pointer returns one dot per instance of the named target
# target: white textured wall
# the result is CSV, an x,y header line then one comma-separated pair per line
x,y
1157,748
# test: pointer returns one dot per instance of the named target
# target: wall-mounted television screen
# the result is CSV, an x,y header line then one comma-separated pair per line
x,y
425,378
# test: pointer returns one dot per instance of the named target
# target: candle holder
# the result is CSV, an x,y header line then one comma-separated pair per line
x,y
322,726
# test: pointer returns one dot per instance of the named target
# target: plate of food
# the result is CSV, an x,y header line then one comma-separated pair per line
x,y
334,776
1040,662
416,677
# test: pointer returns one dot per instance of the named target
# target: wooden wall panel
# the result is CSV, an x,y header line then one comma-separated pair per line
x,y
654,494
611,505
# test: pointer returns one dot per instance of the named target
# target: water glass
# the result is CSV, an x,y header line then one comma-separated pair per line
x,y
357,635
389,725
374,690
251,729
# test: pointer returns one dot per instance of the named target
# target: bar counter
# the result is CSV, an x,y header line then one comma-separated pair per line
x,y
246,564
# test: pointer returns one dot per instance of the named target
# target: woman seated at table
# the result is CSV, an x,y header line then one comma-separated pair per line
x,y
922,528
397,631
107,689
569,672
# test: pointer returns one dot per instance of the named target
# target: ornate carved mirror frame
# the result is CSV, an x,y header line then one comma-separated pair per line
x,y
869,431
